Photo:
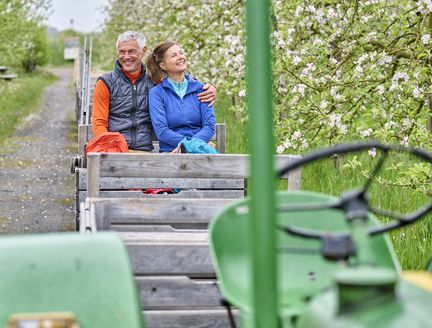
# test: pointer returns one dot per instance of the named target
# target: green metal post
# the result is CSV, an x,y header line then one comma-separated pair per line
x,y
262,172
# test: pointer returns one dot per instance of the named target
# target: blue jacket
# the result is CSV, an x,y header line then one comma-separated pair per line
x,y
174,118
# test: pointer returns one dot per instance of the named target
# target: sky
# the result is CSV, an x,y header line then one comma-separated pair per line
x,y
86,14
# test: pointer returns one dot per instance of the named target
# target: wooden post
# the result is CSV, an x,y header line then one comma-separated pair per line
x,y
93,175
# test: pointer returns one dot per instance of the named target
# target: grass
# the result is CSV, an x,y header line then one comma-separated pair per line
x,y
235,128
413,244
19,98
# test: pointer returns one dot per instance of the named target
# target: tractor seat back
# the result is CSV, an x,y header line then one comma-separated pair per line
x,y
87,276
302,271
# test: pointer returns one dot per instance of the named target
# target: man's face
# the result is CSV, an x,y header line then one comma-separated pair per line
x,y
130,56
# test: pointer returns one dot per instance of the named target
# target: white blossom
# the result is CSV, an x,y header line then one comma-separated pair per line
x,y
404,141
323,104
417,92
296,135
300,88
366,133
425,38
296,60
280,149
380,89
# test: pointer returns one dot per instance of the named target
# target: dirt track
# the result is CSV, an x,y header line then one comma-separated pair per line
x,y
36,186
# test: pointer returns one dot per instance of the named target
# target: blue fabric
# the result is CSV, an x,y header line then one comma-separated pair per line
x,y
197,146
179,87
174,118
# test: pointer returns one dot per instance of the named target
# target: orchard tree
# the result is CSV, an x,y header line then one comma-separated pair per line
x,y
21,31
352,70
343,70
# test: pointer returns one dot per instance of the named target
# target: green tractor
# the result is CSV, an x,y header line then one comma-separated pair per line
x,y
67,280
335,265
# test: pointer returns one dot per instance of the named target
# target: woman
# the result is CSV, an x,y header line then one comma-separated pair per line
x,y
175,111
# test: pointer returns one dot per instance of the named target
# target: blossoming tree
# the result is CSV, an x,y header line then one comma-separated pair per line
x,y
342,69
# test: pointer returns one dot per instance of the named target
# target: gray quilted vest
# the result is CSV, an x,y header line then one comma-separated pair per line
x,y
129,112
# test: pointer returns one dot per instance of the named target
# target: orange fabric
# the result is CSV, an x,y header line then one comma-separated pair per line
x,y
132,77
108,142
101,102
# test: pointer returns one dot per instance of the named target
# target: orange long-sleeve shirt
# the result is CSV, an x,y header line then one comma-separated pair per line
x,y
101,104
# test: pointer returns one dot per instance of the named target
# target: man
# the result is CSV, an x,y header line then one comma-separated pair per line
x,y
120,100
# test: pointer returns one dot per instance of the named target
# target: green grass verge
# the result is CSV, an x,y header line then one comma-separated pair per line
x,y
20,97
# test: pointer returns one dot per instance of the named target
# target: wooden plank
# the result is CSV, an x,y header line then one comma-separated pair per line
x,y
8,77
221,138
180,166
196,227
294,180
173,166
93,177
155,211
196,194
166,254
84,135
209,318
109,183
177,292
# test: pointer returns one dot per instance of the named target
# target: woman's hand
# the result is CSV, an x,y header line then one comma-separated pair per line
x,y
209,95
176,150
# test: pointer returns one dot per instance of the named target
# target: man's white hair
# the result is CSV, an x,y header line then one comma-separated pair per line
x,y
132,35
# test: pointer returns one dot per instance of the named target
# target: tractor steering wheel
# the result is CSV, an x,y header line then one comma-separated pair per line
x,y
354,203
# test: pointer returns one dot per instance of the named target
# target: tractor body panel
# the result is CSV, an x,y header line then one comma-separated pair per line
x,y
408,307
88,276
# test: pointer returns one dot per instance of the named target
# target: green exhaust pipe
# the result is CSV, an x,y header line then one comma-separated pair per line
x,y
262,172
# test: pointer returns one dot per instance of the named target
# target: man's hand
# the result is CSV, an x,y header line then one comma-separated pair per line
x,y
209,95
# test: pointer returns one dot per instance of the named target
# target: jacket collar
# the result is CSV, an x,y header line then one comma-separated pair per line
x,y
193,85
118,69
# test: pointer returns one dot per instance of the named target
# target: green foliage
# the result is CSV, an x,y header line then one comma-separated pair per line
x,y
38,53
21,31
56,51
19,98
342,70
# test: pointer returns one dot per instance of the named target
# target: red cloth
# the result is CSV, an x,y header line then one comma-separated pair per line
x,y
158,191
107,142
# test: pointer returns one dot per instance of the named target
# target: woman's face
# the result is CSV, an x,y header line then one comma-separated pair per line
x,y
174,60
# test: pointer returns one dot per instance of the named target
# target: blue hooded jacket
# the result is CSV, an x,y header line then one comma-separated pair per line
x,y
175,118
